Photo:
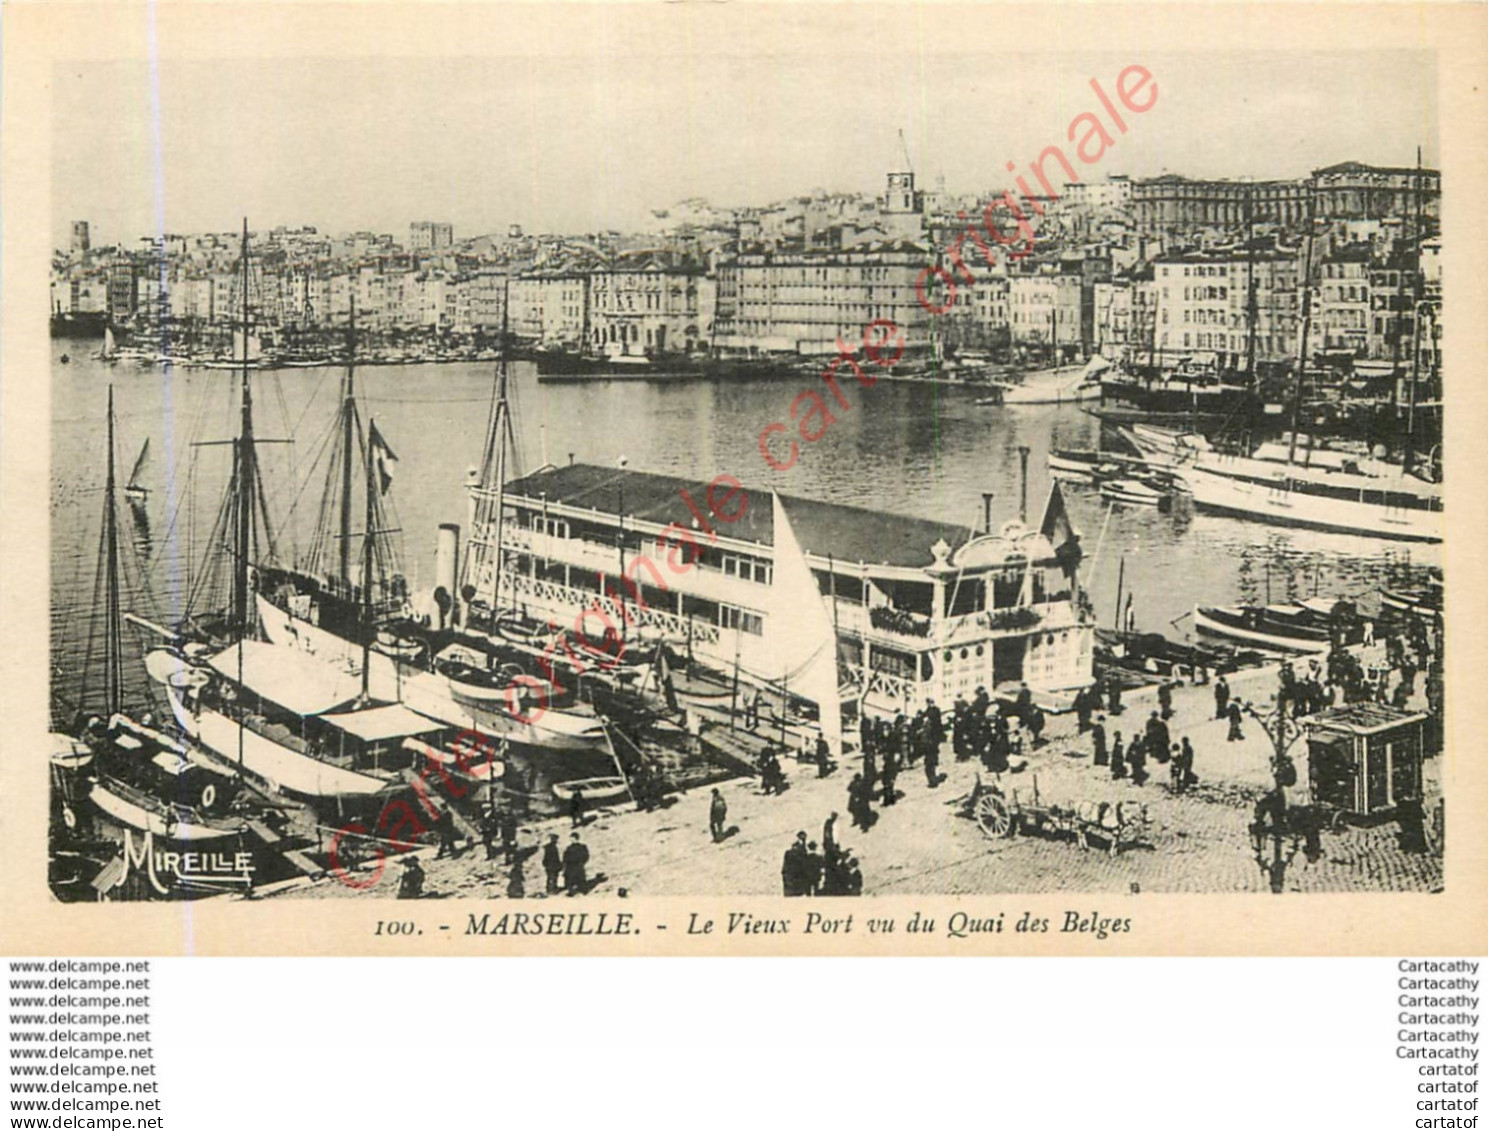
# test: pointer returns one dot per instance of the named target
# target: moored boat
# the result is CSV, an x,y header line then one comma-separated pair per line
x,y
596,791
1315,625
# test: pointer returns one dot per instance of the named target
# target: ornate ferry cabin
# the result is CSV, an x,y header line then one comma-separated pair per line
x,y
921,609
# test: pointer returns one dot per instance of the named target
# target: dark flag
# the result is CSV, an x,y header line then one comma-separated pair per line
x,y
383,458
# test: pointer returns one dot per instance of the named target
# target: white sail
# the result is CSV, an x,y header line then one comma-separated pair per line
x,y
803,643
109,346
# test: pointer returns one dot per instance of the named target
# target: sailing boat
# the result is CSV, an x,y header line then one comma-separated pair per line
x,y
459,677
137,496
801,636
1335,496
143,781
282,718
110,351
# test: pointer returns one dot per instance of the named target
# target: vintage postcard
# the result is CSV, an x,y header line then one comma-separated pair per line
x,y
670,478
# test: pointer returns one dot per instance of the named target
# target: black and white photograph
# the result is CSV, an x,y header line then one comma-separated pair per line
x,y
699,471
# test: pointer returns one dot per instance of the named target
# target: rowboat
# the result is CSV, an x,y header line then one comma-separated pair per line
x,y
1307,626
1131,491
596,791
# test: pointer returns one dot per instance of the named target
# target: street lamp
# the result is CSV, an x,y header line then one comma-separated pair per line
x,y
1279,830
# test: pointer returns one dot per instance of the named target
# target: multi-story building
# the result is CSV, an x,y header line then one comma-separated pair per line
x,y
550,305
430,235
645,303
1032,300
799,300
1342,297
1202,301
922,609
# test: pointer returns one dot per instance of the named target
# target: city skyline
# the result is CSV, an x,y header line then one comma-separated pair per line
x,y
596,144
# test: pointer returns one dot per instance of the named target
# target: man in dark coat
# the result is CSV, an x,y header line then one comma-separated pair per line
x,y
1118,758
1035,722
1083,709
793,867
1113,695
1024,704
1233,714
411,885
961,730
508,821
1136,757
860,802
444,827
1157,738
1165,698
552,862
936,724
717,816
932,762
575,865
889,773
823,757
576,807
1221,698
1098,739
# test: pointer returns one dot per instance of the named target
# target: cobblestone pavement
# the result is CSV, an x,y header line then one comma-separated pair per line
x,y
1196,842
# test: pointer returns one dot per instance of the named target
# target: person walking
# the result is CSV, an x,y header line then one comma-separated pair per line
x,y
812,869
717,816
508,821
1113,696
1233,714
575,867
576,807
793,867
444,827
552,862
1136,757
823,757
1098,741
1221,698
516,882
1165,698
489,826
889,773
1157,738
1118,759
860,802
411,883
932,763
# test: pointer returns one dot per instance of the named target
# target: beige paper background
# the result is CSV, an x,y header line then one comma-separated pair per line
x,y
36,36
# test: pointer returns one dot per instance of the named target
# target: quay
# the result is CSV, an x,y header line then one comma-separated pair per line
x,y
1198,841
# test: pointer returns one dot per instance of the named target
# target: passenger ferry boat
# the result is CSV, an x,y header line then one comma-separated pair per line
x,y
921,609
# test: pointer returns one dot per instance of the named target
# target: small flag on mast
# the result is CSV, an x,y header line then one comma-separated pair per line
x,y
383,458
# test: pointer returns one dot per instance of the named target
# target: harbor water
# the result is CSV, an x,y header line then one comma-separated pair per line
x,y
906,447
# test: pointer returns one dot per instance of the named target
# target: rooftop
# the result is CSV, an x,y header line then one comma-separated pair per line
x,y
848,534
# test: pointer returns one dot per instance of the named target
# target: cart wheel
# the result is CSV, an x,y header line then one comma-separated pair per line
x,y
994,816
1338,822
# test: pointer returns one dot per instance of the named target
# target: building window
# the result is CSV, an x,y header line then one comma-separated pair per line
x,y
741,620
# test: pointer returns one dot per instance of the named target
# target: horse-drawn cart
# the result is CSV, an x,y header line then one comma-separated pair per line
x,y
1005,813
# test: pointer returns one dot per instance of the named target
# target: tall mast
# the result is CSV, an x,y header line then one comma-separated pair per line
x,y
247,475
367,552
1306,323
348,440
113,661
500,427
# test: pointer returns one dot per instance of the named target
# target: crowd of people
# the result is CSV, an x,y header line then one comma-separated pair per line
x,y
833,870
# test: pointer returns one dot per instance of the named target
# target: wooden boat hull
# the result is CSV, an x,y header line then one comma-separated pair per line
x,y
1277,504
597,791
1259,637
283,767
489,710
1127,491
123,806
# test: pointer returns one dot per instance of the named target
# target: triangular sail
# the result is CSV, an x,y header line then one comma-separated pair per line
x,y
140,462
799,630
